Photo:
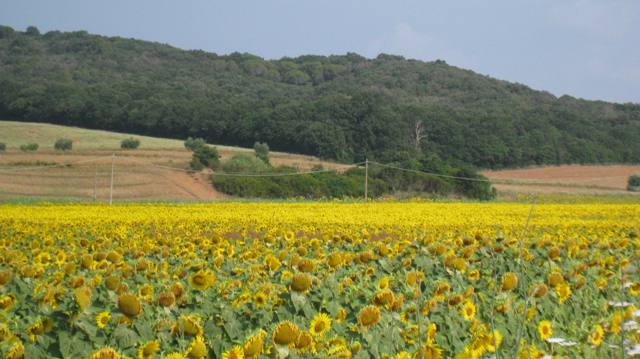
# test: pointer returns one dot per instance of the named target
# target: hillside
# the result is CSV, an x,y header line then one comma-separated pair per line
x,y
344,107
156,171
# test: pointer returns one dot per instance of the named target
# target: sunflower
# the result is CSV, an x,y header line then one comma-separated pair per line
x,y
285,333
254,345
468,310
7,301
634,289
105,353
166,299
82,296
304,342
202,280
429,351
149,349
616,322
187,325
474,275
300,282
539,290
320,325
454,300
197,349
17,351
341,315
234,353
384,298
596,335
563,291
544,329
103,319
129,305
509,281
174,356
369,316
260,299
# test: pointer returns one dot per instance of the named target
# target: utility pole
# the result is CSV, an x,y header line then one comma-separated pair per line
x,y
366,179
113,159
95,184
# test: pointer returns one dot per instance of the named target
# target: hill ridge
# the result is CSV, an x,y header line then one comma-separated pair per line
x,y
340,107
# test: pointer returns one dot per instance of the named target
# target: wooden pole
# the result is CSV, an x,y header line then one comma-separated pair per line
x,y
95,184
366,179
113,159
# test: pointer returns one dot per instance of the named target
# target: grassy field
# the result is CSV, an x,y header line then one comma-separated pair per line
x,y
140,175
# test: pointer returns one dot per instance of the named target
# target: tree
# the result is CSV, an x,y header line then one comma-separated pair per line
x,y
130,143
3,147
32,31
63,144
194,143
205,157
634,183
262,151
418,134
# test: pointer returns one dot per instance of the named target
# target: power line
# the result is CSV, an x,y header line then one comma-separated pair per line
x,y
431,173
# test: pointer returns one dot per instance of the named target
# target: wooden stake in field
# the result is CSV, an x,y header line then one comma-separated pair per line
x,y
366,179
95,184
113,159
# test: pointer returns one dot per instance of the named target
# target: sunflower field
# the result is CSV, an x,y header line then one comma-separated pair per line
x,y
328,280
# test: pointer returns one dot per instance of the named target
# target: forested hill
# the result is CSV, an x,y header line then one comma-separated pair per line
x,y
337,107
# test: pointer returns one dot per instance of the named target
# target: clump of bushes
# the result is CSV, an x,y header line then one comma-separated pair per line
x,y
3,146
262,151
634,183
63,144
130,143
205,157
313,186
29,147
246,164
194,143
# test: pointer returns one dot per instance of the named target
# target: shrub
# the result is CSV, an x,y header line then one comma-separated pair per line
x,y
262,151
634,183
29,147
194,143
130,143
319,185
3,147
244,163
63,144
205,156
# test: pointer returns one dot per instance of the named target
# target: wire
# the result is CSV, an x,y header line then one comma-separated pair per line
x,y
282,174
431,173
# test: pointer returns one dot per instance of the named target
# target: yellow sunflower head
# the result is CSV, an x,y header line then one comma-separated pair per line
x,y
369,316
544,329
148,349
129,305
285,333
320,325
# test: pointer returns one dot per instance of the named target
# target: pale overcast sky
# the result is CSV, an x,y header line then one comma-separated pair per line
x,y
584,48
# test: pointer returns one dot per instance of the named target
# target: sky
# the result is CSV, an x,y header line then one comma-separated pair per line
x,y
584,48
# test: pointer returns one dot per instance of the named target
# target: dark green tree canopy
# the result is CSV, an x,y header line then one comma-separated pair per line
x,y
343,107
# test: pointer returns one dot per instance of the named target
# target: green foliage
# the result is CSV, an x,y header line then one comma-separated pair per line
x,y
245,163
262,151
3,146
32,31
336,107
130,143
63,144
634,183
312,186
205,157
194,143
29,147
